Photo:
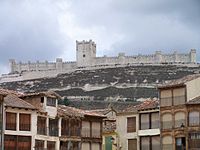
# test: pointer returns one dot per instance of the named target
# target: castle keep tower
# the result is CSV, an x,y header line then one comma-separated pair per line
x,y
85,53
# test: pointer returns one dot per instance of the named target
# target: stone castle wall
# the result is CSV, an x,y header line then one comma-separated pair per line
x,y
86,58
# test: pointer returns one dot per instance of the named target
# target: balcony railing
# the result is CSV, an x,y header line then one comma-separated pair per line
x,y
166,124
179,123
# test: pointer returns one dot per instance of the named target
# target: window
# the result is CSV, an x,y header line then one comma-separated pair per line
x,y
24,142
145,143
179,119
39,144
53,127
11,119
51,145
132,144
24,122
96,146
194,118
155,120
41,125
166,98
131,124
155,140
167,121
12,142
150,143
42,100
65,127
85,131
96,129
51,102
179,96
194,140
167,143
145,123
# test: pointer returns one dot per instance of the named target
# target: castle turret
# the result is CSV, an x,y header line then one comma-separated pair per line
x,y
85,53
193,55
12,65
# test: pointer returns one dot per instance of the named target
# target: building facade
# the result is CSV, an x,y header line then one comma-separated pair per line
x,y
36,122
176,115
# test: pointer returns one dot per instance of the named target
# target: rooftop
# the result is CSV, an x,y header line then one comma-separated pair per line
x,y
179,82
12,100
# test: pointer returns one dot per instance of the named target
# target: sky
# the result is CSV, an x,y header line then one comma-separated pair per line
x,y
39,30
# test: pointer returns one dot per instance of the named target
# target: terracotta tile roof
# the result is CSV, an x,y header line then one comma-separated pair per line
x,y
196,100
145,105
179,82
51,94
5,92
12,100
148,104
67,111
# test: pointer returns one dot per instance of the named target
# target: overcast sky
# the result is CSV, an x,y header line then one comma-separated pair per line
x,y
46,29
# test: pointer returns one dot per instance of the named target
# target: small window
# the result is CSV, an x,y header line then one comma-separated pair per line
x,y
42,100
51,102
83,55
131,124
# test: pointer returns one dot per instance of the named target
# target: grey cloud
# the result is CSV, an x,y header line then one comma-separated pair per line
x,y
30,31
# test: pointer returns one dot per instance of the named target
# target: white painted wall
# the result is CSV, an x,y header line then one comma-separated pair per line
x,y
193,89
122,130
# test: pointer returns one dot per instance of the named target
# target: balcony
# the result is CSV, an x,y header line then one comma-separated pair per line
x,y
179,123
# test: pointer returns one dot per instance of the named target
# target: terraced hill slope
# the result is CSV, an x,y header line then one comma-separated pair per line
x,y
130,82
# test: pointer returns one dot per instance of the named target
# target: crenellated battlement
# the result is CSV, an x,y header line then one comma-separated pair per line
x,y
86,58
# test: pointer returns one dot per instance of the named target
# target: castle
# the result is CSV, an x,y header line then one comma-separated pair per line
x,y
86,58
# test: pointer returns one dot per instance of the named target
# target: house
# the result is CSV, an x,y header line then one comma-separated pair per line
x,y
35,121
19,124
46,123
92,130
149,129
127,123
177,113
110,136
